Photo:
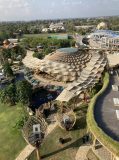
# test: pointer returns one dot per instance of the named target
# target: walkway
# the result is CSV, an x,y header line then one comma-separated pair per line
x,y
103,153
30,61
105,111
51,127
82,152
26,152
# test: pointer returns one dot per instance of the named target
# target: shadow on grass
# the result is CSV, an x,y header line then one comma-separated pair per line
x,y
66,140
75,144
80,123
81,108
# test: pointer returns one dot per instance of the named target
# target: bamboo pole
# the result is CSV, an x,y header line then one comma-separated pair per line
x,y
38,154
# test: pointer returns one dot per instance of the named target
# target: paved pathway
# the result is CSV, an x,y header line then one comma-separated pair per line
x,y
50,128
26,152
30,61
103,153
82,152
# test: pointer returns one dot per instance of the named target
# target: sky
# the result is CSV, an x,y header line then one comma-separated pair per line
x,y
15,10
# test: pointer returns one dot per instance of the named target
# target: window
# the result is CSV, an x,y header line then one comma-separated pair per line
x,y
36,129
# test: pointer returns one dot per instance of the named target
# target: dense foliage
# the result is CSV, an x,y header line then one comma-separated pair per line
x,y
47,43
14,93
7,95
7,70
39,55
23,91
3,35
15,53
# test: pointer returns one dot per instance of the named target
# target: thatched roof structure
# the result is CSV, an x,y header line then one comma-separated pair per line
x,y
81,69
88,78
28,129
65,64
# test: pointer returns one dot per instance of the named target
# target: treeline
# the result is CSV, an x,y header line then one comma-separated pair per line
x,y
17,29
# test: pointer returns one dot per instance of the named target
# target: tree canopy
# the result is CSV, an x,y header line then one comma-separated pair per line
x,y
47,44
12,53
14,93
23,91
7,70
7,95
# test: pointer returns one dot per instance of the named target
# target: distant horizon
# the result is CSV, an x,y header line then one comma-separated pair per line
x,y
30,10
55,19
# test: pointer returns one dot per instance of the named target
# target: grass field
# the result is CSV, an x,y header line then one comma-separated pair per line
x,y
11,141
53,150
44,35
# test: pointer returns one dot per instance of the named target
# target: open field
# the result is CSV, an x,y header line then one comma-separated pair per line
x,y
11,141
44,35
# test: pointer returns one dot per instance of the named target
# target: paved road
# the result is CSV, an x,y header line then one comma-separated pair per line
x,y
105,111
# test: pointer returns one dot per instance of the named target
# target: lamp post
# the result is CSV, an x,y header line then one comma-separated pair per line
x,y
66,120
37,138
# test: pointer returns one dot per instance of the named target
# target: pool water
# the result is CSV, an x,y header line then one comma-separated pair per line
x,y
68,50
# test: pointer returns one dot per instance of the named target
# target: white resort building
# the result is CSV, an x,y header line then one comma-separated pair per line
x,y
104,39
54,27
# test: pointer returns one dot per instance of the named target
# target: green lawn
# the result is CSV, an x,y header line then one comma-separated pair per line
x,y
53,150
44,35
11,141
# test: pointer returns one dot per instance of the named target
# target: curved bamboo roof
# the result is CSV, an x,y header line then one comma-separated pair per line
x,y
82,72
88,78
28,129
65,64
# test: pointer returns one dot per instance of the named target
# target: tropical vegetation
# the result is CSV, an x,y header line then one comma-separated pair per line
x,y
14,93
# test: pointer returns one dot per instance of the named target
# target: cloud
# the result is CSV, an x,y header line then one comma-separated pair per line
x,y
53,4
40,9
13,4
71,2
14,9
